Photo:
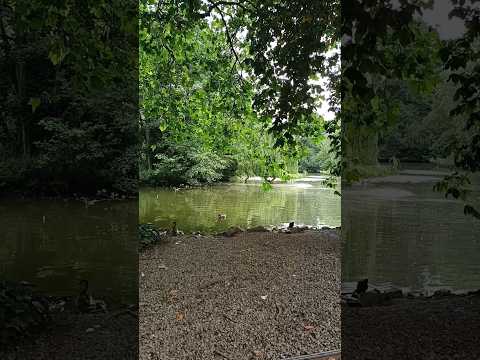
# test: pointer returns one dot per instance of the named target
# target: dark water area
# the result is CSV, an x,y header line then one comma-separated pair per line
x,y
398,231
55,244
305,201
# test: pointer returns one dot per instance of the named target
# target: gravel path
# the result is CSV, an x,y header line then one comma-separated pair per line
x,y
252,296
82,337
430,329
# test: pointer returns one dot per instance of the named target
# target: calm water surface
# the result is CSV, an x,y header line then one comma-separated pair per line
x,y
54,244
306,201
395,231
399,231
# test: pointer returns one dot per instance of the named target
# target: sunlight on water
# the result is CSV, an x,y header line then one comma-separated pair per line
x,y
303,201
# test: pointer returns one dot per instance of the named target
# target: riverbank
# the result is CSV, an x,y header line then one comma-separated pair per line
x,y
250,296
74,336
439,327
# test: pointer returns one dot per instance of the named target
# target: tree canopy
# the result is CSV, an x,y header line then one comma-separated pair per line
x,y
68,98
219,97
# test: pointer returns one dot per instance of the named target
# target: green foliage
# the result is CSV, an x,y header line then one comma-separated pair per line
x,y
319,157
68,104
148,235
20,312
197,123
304,32
389,47
185,165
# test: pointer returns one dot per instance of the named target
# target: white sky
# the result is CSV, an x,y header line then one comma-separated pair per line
x,y
438,18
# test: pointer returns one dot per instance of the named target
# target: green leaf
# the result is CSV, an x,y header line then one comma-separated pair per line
x,y
56,56
34,103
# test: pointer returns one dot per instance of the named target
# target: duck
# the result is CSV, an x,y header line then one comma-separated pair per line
x,y
86,303
362,287
222,217
173,231
84,300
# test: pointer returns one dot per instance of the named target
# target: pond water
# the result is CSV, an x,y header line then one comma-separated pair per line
x,y
397,231
305,201
54,244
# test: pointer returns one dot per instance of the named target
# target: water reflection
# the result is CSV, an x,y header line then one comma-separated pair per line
x,y
404,233
305,201
54,244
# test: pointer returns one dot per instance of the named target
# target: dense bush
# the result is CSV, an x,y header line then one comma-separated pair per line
x,y
318,158
184,165
68,108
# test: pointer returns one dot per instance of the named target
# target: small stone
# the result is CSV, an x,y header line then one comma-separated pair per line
x,y
442,292
233,231
258,229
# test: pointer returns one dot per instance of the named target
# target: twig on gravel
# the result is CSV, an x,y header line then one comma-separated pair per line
x,y
222,355
209,284
229,318
278,310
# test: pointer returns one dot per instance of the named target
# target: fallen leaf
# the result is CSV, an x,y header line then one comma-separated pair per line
x,y
257,353
179,316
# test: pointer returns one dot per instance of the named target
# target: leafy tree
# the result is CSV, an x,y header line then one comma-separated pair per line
x,y
68,102
198,88
460,56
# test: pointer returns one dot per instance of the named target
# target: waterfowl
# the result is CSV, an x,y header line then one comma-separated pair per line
x,y
86,303
84,300
173,230
362,287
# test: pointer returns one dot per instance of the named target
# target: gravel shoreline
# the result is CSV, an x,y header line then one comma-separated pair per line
x,y
442,329
251,296
73,336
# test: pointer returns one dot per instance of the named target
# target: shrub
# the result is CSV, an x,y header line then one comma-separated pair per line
x,y
20,311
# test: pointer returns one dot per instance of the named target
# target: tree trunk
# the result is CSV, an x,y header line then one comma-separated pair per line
x,y
360,146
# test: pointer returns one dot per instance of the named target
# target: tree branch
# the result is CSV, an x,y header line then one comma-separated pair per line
x,y
216,5
229,38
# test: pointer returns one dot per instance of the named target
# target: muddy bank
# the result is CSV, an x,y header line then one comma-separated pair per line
x,y
249,296
438,327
